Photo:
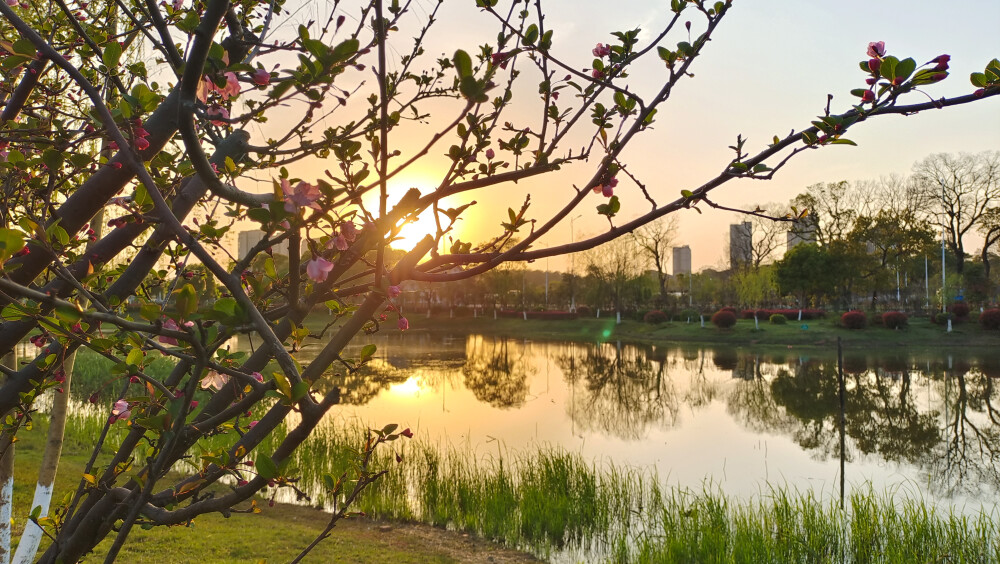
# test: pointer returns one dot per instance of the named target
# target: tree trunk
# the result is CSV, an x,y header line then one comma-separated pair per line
x,y
6,477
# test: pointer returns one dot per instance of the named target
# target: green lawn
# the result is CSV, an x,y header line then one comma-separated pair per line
x,y
819,332
274,535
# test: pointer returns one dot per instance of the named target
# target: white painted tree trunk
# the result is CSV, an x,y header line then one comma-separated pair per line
x,y
618,318
6,479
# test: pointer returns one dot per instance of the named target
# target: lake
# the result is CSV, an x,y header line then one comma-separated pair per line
x,y
922,425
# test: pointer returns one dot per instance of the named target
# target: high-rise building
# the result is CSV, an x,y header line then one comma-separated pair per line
x,y
800,233
250,238
740,244
682,260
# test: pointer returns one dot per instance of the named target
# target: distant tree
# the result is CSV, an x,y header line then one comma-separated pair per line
x,y
965,187
655,240
807,272
832,207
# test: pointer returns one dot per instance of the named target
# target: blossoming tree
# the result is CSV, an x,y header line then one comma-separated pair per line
x,y
133,115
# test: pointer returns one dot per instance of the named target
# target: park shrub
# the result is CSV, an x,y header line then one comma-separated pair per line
x,y
943,317
854,320
894,319
729,309
584,311
655,317
688,315
990,319
960,310
724,318
789,313
777,319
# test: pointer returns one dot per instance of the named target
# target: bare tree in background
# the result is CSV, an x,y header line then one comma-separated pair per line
x,y
965,186
656,240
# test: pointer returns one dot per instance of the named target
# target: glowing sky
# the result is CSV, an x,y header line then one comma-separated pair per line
x,y
767,71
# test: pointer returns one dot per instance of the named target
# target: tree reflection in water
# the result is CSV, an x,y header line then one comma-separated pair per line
x,y
619,390
495,375
945,422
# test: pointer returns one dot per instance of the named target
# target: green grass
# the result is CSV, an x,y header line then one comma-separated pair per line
x,y
277,534
548,500
820,333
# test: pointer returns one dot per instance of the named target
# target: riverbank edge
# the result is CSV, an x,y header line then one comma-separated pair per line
x,y
814,334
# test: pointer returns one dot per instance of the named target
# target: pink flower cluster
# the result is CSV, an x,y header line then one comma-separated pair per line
x,y
120,411
608,188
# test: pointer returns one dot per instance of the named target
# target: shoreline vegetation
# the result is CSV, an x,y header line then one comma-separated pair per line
x,y
815,333
555,505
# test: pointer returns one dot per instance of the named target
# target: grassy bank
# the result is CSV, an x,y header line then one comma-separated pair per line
x,y
553,502
276,534
818,332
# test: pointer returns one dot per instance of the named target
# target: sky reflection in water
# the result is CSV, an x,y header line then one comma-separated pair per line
x,y
737,419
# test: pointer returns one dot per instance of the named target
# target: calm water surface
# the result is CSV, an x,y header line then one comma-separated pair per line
x,y
740,420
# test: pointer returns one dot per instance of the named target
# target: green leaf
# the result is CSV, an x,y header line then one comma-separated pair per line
x,y
842,141
52,159
266,468
112,53
905,68
463,63
687,193
134,357
888,69
344,51
283,386
11,241
225,306
69,313
367,352
531,35
978,79
186,301
300,390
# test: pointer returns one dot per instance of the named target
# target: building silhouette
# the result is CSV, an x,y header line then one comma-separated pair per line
x,y
248,239
740,244
682,260
800,233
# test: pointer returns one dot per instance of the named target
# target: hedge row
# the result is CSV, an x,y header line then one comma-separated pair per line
x,y
791,314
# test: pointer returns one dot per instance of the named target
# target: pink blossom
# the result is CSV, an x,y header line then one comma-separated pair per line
x,y
141,143
204,87
252,425
261,77
214,380
349,230
13,3
403,324
120,411
608,190
394,292
941,62
490,154
500,59
216,114
868,96
232,87
304,194
178,4
318,268
257,376
407,433
171,325
876,49
874,65
340,242
596,73
602,50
